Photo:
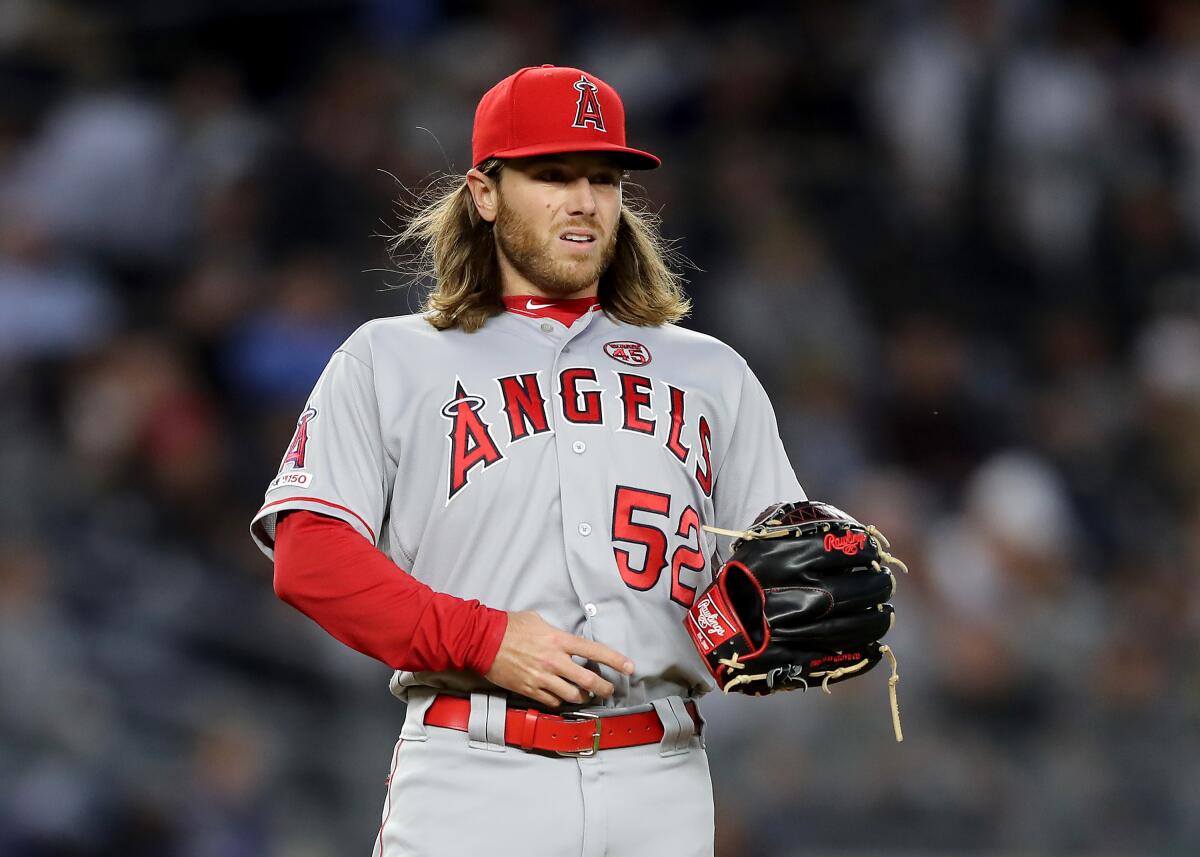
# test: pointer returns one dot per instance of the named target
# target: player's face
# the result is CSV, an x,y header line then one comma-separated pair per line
x,y
556,223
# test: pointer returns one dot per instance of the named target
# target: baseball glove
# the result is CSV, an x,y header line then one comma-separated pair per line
x,y
802,601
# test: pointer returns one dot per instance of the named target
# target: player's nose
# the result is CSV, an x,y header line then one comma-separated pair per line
x,y
581,199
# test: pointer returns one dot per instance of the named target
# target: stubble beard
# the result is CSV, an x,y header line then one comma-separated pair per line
x,y
533,256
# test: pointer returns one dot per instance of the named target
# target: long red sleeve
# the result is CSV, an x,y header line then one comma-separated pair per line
x,y
346,585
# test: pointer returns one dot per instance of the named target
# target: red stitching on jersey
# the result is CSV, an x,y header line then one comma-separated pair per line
x,y
324,503
388,811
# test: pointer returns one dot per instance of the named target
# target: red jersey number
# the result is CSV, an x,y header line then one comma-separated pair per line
x,y
653,539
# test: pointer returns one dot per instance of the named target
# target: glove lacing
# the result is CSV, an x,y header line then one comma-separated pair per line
x,y
893,680
735,663
883,554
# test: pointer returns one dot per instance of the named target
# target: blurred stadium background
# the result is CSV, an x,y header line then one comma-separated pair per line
x,y
957,240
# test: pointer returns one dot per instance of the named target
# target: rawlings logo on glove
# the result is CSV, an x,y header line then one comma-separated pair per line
x,y
712,632
802,600
849,544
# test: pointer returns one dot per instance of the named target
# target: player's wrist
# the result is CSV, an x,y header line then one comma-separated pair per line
x,y
492,626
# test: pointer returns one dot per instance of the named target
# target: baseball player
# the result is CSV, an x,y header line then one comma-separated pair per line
x,y
503,497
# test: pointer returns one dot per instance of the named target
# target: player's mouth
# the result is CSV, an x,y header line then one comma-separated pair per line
x,y
580,239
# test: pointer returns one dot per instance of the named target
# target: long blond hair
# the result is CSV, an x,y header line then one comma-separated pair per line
x,y
444,244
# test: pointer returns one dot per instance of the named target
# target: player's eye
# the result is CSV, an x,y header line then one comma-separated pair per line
x,y
606,179
550,175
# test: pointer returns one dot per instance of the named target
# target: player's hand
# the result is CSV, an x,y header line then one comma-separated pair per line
x,y
535,661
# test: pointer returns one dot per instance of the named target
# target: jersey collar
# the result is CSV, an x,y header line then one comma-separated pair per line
x,y
565,311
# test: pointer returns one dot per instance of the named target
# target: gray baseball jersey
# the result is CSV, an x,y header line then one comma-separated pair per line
x,y
536,466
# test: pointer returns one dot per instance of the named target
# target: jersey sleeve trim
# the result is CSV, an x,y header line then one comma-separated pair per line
x,y
262,528
318,500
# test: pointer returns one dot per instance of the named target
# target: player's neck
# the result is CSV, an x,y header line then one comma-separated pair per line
x,y
532,291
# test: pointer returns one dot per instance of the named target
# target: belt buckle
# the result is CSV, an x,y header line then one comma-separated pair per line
x,y
578,716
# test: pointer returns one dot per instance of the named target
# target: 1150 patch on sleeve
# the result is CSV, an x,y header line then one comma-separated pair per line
x,y
292,479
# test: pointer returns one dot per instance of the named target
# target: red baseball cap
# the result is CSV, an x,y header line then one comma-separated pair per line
x,y
543,110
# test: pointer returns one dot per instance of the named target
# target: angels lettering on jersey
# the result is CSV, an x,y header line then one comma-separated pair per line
x,y
475,444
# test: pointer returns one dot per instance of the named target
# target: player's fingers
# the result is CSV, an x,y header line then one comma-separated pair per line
x,y
565,691
600,653
547,699
588,681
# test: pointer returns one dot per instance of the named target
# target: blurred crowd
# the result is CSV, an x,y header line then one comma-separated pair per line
x,y
958,241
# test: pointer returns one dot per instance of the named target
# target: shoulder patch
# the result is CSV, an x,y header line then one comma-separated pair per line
x,y
298,448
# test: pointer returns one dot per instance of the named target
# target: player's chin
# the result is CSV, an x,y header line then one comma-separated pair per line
x,y
577,257
576,266
577,276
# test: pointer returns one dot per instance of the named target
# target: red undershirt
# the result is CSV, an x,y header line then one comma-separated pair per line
x,y
333,575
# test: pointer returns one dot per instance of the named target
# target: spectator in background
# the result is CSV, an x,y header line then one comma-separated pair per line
x,y
280,351
49,304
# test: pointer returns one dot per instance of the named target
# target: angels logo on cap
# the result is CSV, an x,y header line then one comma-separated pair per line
x,y
588,107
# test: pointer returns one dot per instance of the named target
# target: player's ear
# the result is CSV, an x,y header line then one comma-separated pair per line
x,y
485,192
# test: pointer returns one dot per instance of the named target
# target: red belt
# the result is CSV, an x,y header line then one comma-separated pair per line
x,y
571,734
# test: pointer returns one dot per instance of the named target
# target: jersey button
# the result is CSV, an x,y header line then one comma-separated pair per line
x,y
589,609
546,327
579,446
585,529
